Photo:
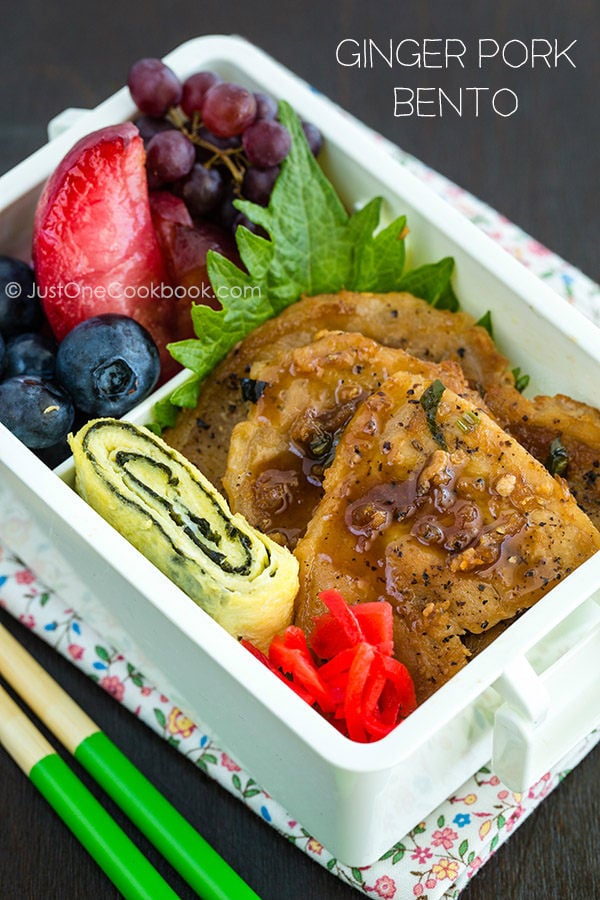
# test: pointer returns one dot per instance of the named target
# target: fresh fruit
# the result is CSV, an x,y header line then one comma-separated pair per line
x,y
184,247
188,258
266,105
154,87
39,413
202,190
148,126
225,214
30,354
194,91
20,308
266,142
258,184
105,248
169,156
108,364
167,210
236,134
94,246
228,109
216,145
313,136
168,213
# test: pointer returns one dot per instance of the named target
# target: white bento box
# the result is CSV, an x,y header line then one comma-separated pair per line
x,y
525,701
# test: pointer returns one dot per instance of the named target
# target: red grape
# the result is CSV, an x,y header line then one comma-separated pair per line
x,y
221,143
153,86
148,126
266,143
229,145
313,137
194,90
225,212
202,190
228,109
266,105
170,155
258,184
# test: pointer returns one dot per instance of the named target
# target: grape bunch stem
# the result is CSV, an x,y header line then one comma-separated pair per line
x,y
227,157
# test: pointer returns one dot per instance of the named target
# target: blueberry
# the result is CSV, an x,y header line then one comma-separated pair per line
x,y
107,364
30,354
38,412
20,308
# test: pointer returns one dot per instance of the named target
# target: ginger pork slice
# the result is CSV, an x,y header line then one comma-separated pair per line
x,y
395,319
562,433
278,456
430,505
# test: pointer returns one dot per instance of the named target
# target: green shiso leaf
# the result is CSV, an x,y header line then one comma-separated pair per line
x,y
486,322
521,379
313,247
431,282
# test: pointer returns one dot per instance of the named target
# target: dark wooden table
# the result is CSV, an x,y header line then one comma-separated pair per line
x,y
539,167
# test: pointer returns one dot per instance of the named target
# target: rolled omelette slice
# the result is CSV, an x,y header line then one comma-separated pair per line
x,y
171,513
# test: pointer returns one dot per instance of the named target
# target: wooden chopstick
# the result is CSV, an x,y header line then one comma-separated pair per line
x,y
115,853
195,860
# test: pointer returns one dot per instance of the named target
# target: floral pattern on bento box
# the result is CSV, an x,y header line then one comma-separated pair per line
x,y
436,859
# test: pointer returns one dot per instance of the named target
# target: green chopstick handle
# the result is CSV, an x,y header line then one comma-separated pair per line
x,y
121,860
195,860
